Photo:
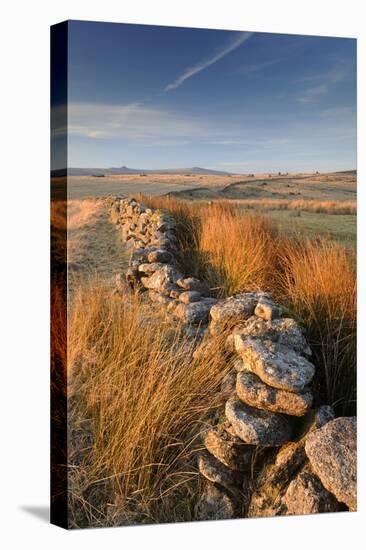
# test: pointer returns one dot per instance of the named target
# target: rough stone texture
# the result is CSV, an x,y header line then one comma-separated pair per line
x,y
191,283
150,268
162,256
276,475
272,482
315,419
283,331
216,472
276,365
256,393
306,495
239,365
194,313
228,449
256,427
162,279
267,310
228,384
214,504
141,254
160,298
190,296
332,451
235,308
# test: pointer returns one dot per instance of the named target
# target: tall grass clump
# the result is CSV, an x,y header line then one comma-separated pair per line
x,y
314,279
317,281
138,401
238,251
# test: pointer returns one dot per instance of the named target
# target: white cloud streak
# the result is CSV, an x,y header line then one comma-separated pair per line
x,y
135,122
201,65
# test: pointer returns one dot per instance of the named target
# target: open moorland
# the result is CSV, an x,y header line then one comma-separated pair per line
x,y
314,204
133,459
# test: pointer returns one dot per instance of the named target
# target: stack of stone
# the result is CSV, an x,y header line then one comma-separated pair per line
x,y
268,407
152,236
267,395
268,386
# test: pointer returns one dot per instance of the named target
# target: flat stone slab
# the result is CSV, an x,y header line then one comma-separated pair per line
x,y
256,393
277,365
332,451
228,449
215,471
196,312
256,427
189,296
235,308
283,331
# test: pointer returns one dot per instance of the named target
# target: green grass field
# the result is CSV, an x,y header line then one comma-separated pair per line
x,y
340,227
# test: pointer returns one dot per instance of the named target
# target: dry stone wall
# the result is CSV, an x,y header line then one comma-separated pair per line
x,y
269,426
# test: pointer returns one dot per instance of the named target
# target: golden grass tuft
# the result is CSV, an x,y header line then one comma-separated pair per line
x,y
138,403
238,251
317,281
314,279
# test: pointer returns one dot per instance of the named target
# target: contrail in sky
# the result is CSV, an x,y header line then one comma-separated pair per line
x,y
243,37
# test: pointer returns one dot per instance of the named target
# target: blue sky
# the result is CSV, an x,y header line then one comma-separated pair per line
x,y
157,97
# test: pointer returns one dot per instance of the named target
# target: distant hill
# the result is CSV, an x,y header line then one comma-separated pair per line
x,y
125,170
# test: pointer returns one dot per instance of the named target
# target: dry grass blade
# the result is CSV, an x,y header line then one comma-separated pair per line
x,y
132,374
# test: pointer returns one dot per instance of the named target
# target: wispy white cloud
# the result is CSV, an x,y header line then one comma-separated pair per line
x,y
337,112
203,64
136,122
310,95
323,83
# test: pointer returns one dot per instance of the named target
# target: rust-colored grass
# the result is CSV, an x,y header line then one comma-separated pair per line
x,y
317,281
137,403
321,207
314,279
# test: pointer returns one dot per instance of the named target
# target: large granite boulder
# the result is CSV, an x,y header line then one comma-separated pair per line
x,y
306,495
276,475
332,452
